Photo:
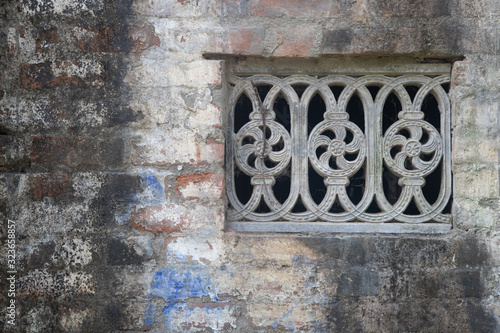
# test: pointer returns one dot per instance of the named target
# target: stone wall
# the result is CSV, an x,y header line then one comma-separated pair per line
x,y
113,118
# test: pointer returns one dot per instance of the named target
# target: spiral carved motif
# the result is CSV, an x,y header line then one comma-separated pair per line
x,y
262,149
336,149
412,149
284,156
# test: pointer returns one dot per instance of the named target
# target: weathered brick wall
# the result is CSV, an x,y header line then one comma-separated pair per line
x,y
112,156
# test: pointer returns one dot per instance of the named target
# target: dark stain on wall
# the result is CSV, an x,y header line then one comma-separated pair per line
x,y
74,103
396,284
472,260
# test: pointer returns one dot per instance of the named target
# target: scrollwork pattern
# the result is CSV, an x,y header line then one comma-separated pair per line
x,y
337,149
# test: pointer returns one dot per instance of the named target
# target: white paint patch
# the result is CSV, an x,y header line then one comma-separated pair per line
x,y
86,185
206,118
83,34
46,220
76,252
153,73
78,283
186,249
82,69
62,6
42,282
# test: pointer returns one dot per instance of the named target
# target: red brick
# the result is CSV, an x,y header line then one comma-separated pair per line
x,y
143,38
200,186
295,8
169,219
94,39
245,41
52,185
50,75
45,38
76,151
294,43
125,38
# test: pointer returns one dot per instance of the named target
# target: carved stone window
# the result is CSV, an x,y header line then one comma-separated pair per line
x,y
339,153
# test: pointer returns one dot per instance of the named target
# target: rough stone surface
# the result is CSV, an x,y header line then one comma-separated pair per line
x,y
112,130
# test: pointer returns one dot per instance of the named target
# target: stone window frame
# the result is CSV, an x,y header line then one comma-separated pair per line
x,y
260,70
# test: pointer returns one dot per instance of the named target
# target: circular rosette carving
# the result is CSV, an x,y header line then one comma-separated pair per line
x,y
412,148
337,149
260,154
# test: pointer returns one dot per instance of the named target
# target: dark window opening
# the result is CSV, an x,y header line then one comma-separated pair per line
x,y
315,112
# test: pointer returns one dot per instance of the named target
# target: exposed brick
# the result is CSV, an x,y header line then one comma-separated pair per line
x,y
294,43
60,73
245,41
123,38
200,186
168,218
143,37
76,151
295,8
45,38
54,185
104,250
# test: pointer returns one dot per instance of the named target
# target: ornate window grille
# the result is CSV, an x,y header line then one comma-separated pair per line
x,y
339,153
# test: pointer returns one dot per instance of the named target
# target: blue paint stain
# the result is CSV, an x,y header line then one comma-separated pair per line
x,y
298,259
309,284
151,185
174,254
168,315
177,284
209,310
149,315
173,285
291,326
